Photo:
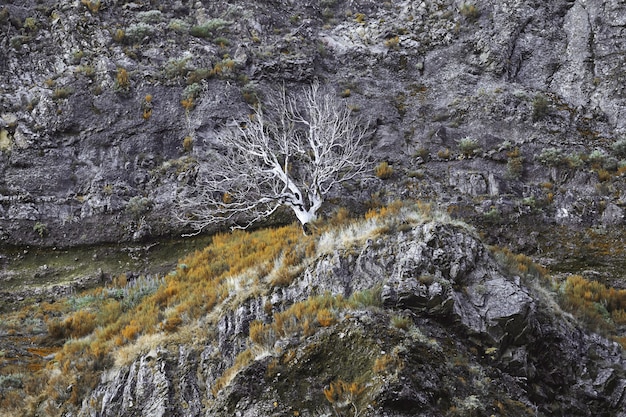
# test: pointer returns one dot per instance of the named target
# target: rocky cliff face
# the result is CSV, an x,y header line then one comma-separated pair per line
x,y
497,109
509,114
447,330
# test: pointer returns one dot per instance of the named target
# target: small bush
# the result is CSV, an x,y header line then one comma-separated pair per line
x,y
468,146
176,68
346,397
118,35
138,206
192,91
198,75
383,170
30,23
132,330
360,17
469,11
208,29
619,148
594,302
92,5
139,33
122,79
444,153
393,43
515,164
541,107
552,157
150,16
325,317
188,144
221,41
61,93
178,25
41,229
77,325
387,363
402,323
596,158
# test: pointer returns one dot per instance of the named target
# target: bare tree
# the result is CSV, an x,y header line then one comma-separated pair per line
x,y
291,152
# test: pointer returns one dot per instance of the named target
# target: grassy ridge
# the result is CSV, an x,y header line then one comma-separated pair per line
x,y
77,338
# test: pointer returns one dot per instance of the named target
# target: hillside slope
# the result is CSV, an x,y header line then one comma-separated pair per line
x,y
407,313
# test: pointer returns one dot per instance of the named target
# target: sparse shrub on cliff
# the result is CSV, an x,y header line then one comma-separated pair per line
x,y
77,325
597,158
118,35
198,75
176,68
31,24
346,397
41,229
468,146
541,107
146,106
209,28
383,170
188,144
138,206
192,91
221,41
150,16
469,11
360,18
514,164
87,70
92,5
178,25
138,33
393,42
619,148
61,93
122,79
552,157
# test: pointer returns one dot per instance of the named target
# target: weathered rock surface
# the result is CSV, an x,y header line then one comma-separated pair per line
x,y
96,158
480,341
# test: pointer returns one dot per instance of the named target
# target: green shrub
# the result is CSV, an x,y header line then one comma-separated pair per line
x,y
150,16
208,29
137,206
515,164
192,91
138,33
597,158
198,75
551,157
179,25
541,107
619,148
221,41
40,228
17,41
468,146
176,68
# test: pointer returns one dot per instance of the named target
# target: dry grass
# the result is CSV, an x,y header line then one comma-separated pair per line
x,y
594,302
114,325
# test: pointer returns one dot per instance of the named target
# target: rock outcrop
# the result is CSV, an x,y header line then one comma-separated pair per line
x,y
450,331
